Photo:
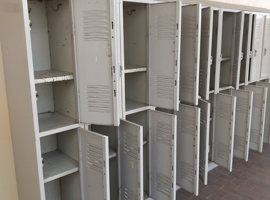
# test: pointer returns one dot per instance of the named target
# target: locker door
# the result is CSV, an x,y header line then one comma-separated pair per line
x,y
97,61
162,133
188,138
224,119
258,116
94,150
204,139
265,69
266,138
190,54
257,44
130,151
239,28
242,123
205,54
164,47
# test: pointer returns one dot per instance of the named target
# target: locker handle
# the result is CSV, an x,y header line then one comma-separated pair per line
x,y
265,52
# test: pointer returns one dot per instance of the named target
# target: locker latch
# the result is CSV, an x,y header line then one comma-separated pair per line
x,y
241,56
211,60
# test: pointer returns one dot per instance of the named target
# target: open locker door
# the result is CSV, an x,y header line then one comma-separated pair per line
x,y
164,56
238,40
224,114
130,151
94,165
162,164
265,69
188,142
258,116
257,45
97,63
266,137
190,56
204,139
206,51
242,123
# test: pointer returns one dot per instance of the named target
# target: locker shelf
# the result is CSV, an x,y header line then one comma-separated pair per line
x,y
212,166
241,84
112,153
134,107
211,91
57,165
52,123
133,69
225,87
224,59
48,76
145,142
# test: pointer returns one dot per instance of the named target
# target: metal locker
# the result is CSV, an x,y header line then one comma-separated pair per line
x,y
204,140
265,69
266,138
190,56
258,116
162,153
223,134
97,57
130,151
244,102
94,149
188,145
205,54
257,43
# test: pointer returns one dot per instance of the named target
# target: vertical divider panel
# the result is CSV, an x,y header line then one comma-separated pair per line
x,y
162,155
130,151
248,49
188,144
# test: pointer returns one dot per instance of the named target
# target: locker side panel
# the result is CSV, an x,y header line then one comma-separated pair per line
x,y
162,132
258,117
94,150
131,161
205,54
188,130
164,47
190,56
204,139
224,130
265,69
242,123
96,61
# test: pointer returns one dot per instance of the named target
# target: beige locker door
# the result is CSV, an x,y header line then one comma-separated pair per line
x,y
257,43
162,155
223,138
130,151
188,144
206,50
97,61
190,54
164,58
244,101
258,116
94,150
265,69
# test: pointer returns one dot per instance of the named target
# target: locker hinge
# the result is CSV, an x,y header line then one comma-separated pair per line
x,y
121,70
112,25
113,69
175,82
241,56
177,26
211,60
114,93
250,54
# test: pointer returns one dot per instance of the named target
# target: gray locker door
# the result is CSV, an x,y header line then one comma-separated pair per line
x,y
97,61
190,56
239,28
206,50
94,165
266,137
265,69
244,101
258,116
204,139
164,61
188,144
130,151
224,114
162,139
257,43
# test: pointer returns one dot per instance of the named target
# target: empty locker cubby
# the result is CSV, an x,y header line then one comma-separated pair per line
x,y
60,158
150,43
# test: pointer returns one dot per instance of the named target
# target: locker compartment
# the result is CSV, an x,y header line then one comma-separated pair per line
x,y
52,52
265,70
60,157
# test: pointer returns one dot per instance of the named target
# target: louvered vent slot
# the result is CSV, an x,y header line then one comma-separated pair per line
x,y
163,184
129,146
187,171
187,126
164,131
257,103
254,136
165,27
99,99
95,158
189,27
164,86
222,152
243,106
222,111
127,194
239,142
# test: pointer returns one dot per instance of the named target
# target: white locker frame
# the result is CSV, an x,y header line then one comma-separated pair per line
x,y
265,70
